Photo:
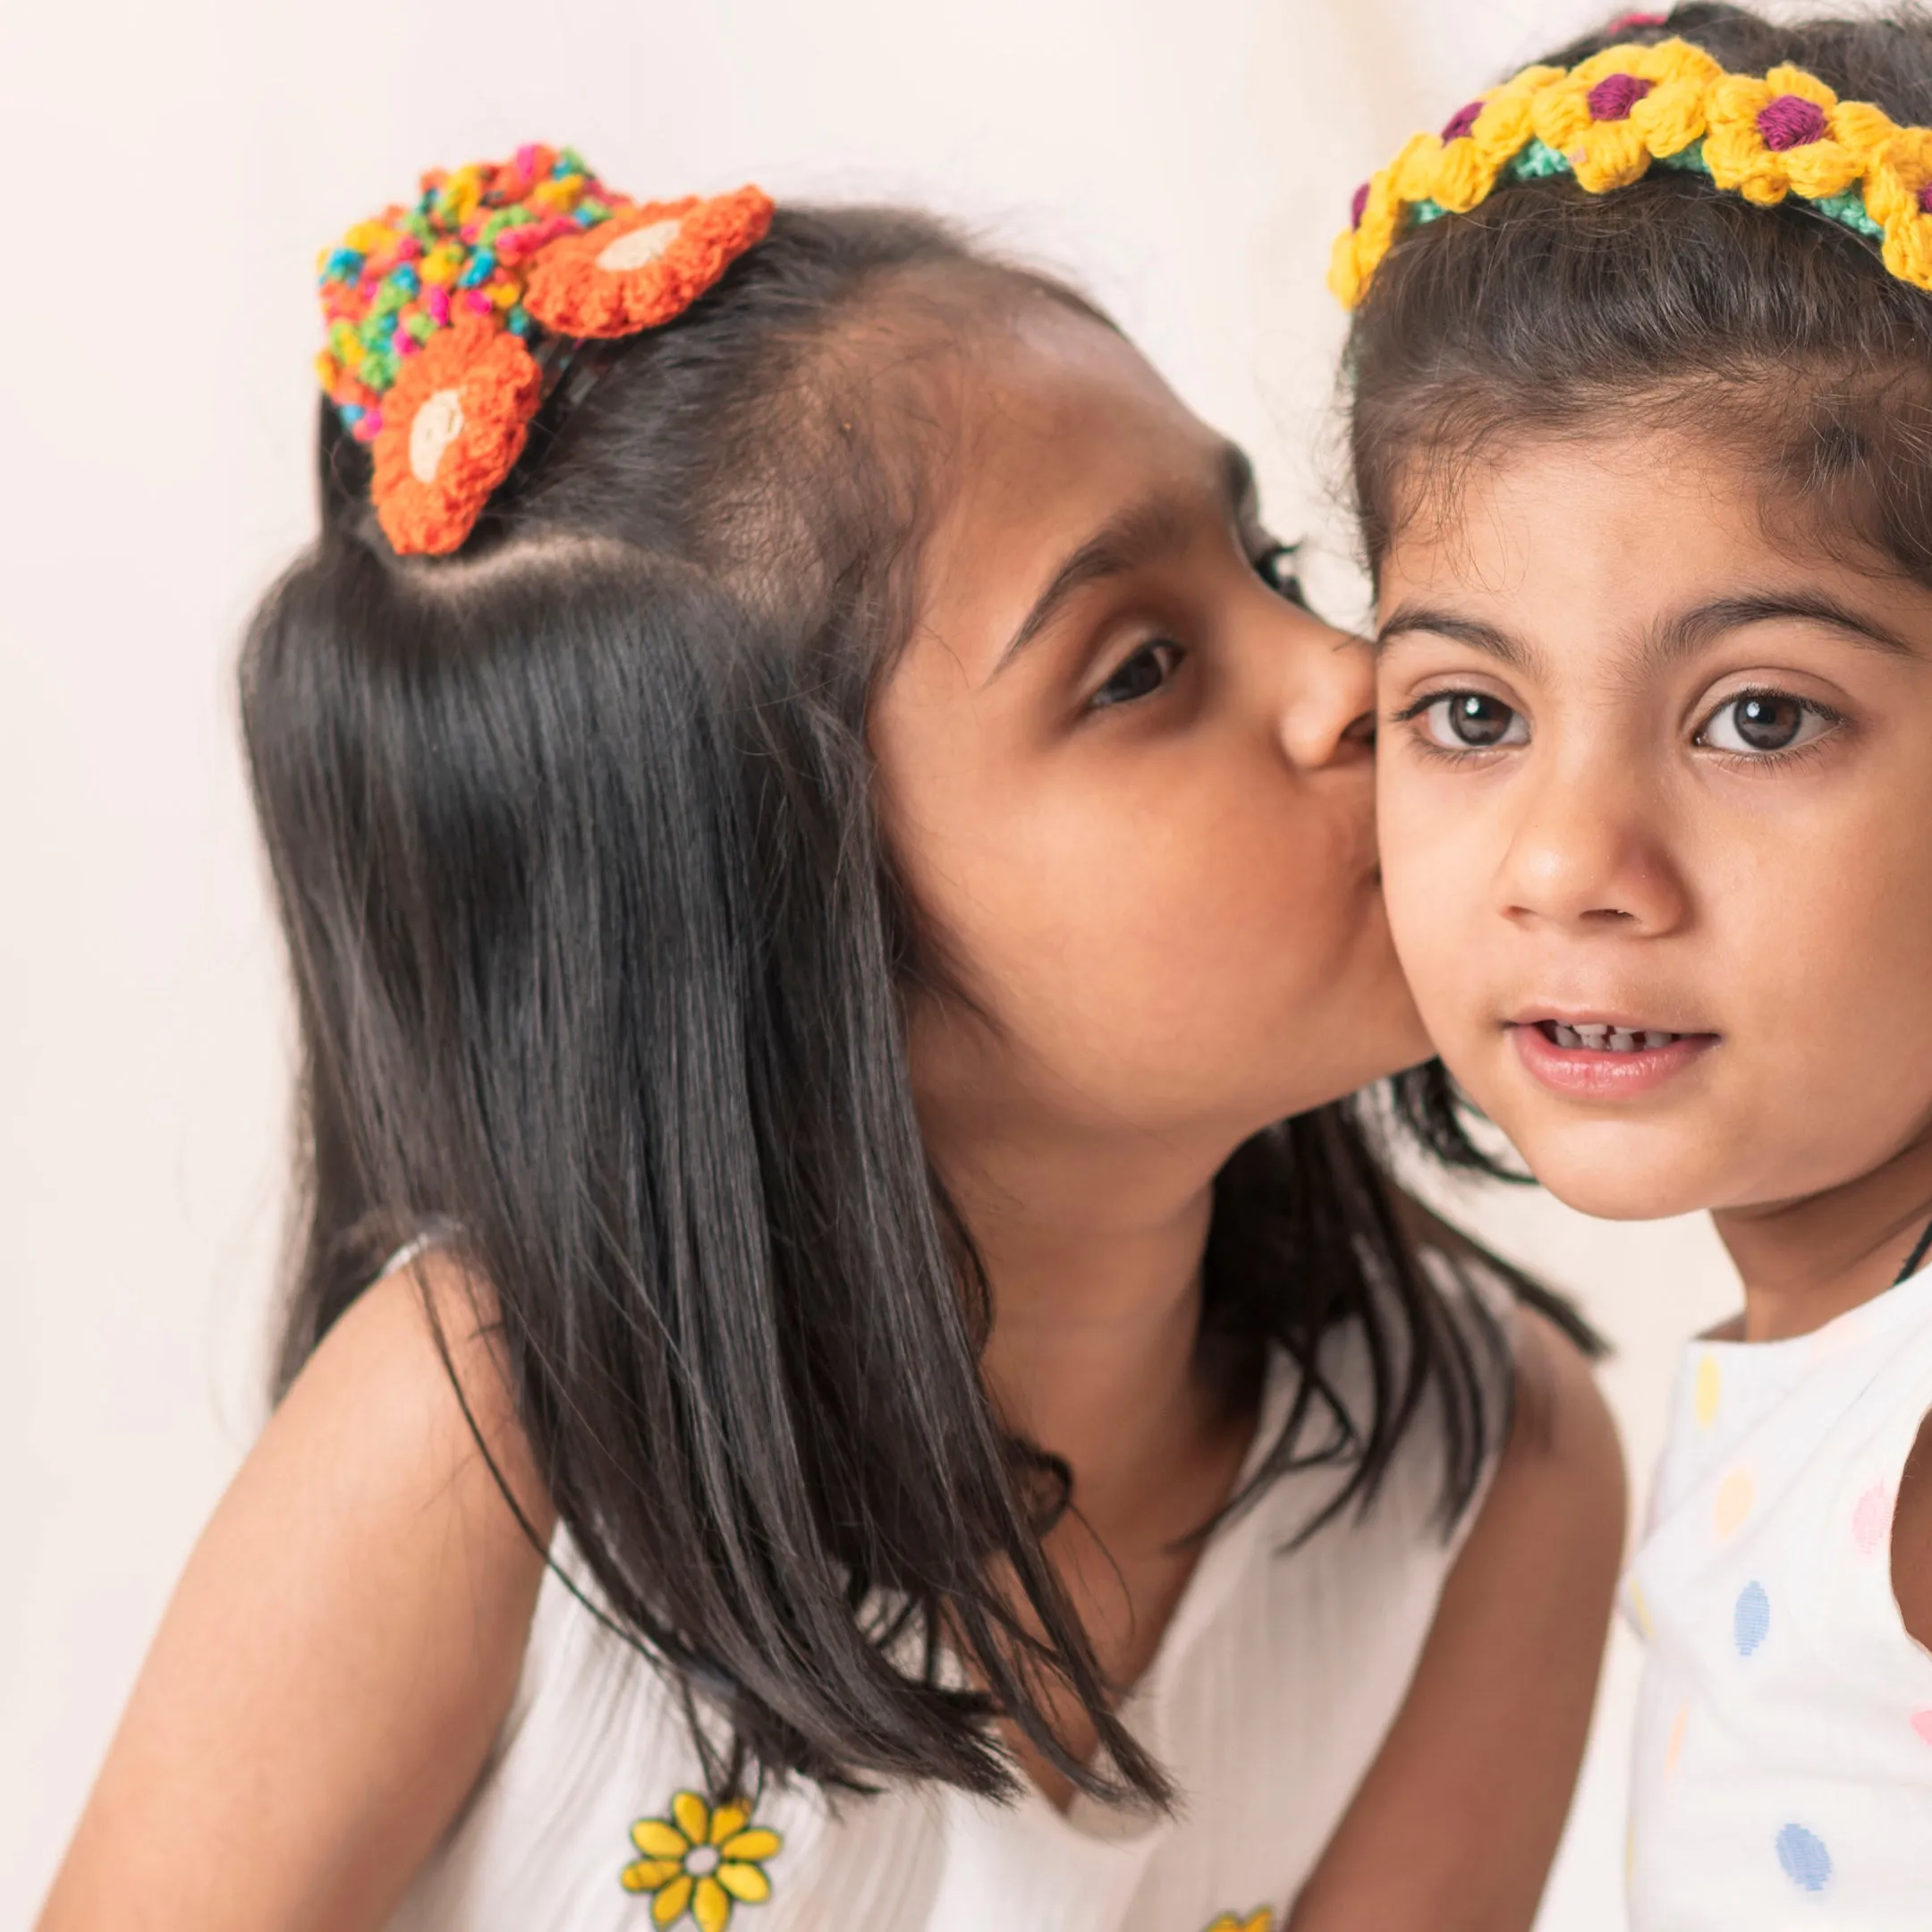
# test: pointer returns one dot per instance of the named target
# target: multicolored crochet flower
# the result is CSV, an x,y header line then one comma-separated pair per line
x,y
426,312
1613,115
704,1863
1898,195
1789,132
1260,1921
645,267
393,283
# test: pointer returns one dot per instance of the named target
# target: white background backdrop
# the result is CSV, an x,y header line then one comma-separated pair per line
x,y
173,170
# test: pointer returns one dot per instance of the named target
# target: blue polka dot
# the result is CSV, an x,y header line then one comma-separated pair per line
x,y
1751,1622
1806,1861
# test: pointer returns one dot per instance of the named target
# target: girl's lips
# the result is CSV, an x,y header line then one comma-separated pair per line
x,y
1585,1073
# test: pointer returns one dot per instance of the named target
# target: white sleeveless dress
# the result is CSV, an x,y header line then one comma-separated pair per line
x,y
1783,1767
1272,1690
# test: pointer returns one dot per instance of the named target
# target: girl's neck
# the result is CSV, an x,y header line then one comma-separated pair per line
x,y
1096,1276
1806,1262
1096,1357
1093,1353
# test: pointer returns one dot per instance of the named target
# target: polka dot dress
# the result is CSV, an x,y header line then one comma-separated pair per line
x,y
1784,1772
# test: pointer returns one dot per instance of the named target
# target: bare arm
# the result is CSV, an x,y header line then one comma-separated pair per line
x,y
1911,1538
1456,1823
338,1656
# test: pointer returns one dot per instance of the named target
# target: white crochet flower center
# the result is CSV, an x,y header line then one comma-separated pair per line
x,y
439,423
640,246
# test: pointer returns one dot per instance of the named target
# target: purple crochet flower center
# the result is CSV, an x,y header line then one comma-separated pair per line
x,y
1357,206
1791,120
1924,198
1461,122
1613,97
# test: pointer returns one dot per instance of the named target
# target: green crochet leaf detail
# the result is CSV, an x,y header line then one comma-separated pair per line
x,y
1689,160
1848,210
1537,162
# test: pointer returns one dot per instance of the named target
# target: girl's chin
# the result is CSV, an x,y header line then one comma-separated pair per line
x,y
1616,1172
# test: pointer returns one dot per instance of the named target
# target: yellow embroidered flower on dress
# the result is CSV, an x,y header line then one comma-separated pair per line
x,y
1260,1922
700,1861
1898,195
1789,132
1610,115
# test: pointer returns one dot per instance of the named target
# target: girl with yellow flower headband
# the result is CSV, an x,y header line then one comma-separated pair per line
x,y
1641,371
850,1363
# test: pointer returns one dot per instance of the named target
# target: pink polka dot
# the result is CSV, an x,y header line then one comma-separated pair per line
x,y
1871,1519
1674,1749
1922,1722
1732,1503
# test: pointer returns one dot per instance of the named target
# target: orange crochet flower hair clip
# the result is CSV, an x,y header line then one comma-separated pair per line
x,y
431,311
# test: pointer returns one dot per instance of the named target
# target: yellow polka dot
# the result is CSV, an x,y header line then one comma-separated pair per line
x,y
1673,1751
1735,1494
1710,1388
1641,1609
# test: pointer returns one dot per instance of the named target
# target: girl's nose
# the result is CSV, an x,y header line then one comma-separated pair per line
x,y
1588,851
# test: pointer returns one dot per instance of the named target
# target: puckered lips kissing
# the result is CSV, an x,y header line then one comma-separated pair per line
x,y
1598,1056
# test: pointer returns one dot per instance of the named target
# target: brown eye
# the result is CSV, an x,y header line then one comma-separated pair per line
x,y
1139,675
1757,723
1474,721
1276,567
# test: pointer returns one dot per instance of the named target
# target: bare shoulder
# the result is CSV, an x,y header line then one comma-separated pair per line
x,y
343,1645
1547,1542
408,1390
1454,1827
1911,1538
1562,1430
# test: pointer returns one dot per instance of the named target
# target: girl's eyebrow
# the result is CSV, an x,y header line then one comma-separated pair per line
x,y
1677,638
1126,540
1683,636
1469,631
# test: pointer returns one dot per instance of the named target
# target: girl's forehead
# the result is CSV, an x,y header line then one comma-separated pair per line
x,y
1539,500
1627,540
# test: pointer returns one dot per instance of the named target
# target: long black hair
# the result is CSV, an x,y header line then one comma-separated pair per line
x,y
1773,331
599,967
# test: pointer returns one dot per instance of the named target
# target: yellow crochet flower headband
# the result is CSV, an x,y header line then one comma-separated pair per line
x,y
1611,118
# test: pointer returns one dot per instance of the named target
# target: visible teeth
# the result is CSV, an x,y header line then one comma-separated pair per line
x,y
1600,1037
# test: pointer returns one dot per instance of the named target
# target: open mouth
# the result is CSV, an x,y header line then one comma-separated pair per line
x,y
1605,1059
1608,1038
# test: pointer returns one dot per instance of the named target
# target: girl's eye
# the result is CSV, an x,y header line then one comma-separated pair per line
x,y
1755,723
1139,675
1276,567
1472,721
